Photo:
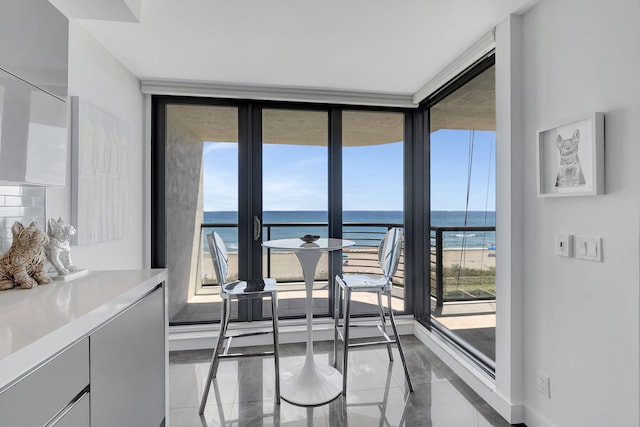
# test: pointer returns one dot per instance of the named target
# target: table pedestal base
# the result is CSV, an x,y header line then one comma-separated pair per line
x,y
310,385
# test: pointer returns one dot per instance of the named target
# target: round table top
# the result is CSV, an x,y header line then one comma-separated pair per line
x,y
298,245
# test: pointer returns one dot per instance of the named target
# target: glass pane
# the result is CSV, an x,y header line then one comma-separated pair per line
x,y
202,196
220,208
372,185
295,200
463,182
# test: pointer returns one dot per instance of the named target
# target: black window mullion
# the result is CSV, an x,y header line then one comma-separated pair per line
x,y
418,234
158,180
335,196
254,194
412,203
244,202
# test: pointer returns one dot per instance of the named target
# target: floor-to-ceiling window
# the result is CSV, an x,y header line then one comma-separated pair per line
x,y
225,163
462,144
258,171
372,195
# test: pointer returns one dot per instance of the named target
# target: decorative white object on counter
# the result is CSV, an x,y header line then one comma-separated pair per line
x,y
23,264
58,250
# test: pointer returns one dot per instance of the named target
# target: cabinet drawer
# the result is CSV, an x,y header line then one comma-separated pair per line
x,y
77,415
35,399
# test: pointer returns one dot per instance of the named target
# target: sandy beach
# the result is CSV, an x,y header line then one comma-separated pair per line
x,y
479,259
285,265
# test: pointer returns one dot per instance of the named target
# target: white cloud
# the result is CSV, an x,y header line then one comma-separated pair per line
x,y
220,192
209,147
286,193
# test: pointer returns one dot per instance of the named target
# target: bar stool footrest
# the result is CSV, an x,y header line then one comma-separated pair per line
x,y
239,355
370,343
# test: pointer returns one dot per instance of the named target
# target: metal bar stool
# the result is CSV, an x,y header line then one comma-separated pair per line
x,y
388,257
238,289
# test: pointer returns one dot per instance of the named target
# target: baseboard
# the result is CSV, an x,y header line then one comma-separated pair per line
x,y
534,419
481,383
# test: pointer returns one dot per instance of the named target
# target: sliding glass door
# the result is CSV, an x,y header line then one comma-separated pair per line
x,y
295,201
253,172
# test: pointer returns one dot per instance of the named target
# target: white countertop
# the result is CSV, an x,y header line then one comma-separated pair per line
x,y
36,324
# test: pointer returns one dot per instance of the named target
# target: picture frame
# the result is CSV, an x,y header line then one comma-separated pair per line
x,y
570,158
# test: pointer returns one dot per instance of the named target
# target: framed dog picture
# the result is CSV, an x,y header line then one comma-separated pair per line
x,y
570,158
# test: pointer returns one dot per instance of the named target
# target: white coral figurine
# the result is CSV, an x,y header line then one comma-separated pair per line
x,y
58,249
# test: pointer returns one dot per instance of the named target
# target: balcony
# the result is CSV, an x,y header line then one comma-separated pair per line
x,y
463,287
457,275
285,268
462,273
462,278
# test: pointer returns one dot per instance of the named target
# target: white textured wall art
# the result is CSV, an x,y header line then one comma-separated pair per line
x,y
100,153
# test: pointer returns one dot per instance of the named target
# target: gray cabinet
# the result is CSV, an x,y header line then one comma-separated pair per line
x,y
34,44
33,134
100,361
127,366
34,69
46,392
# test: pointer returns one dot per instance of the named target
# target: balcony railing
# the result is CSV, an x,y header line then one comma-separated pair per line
x,y
363,256
360,258
457,274
462,273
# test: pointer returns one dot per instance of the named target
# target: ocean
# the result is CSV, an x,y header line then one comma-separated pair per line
x,y
363,236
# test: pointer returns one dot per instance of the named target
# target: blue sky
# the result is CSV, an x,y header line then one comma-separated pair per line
x,y
295,177
450,166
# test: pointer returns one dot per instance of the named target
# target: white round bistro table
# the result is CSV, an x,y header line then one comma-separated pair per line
x,y
309,384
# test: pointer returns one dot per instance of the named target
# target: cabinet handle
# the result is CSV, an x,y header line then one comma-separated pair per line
x,y
57,417
257,228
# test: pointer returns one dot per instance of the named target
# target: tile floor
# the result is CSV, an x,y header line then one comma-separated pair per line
x,y
243,393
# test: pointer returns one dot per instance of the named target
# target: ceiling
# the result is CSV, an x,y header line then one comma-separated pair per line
x,y
370,46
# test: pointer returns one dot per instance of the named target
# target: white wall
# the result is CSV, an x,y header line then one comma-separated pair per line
x,y
509,218
95,75
581,319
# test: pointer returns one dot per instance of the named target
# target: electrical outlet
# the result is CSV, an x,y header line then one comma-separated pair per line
x,y
564,245
543,384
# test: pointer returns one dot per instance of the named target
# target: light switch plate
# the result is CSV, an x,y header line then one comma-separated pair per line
x,y
589,248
